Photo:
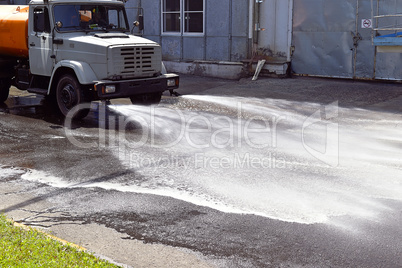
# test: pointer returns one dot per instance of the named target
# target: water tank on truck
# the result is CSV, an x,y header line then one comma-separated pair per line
x,y
14,31
13,43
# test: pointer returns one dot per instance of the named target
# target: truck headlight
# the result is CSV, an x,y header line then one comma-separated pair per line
x,y
171,82
110,89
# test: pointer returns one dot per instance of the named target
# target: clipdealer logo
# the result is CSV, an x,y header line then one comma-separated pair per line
x,y
202,161
196,131
240,161
255,134
327,116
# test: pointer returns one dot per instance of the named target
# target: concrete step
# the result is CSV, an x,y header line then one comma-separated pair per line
x,y
227,70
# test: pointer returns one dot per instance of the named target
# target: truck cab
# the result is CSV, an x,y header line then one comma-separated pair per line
x,y
80,51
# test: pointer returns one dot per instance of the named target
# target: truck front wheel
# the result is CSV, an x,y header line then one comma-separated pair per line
x,y
5,84
69,94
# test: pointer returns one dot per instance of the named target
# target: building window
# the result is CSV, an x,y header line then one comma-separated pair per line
x,y
191,10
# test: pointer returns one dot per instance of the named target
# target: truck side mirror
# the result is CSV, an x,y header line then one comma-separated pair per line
x,y
59,24
139,23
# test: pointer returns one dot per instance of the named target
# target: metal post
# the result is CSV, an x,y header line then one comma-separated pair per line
x,y
355,37
230,31
373,34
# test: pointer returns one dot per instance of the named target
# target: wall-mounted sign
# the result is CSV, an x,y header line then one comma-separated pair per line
x,y
367,23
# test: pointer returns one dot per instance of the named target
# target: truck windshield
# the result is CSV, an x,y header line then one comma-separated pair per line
x,y
90,18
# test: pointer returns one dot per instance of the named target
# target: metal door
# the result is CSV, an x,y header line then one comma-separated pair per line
x,y
272,28
322,37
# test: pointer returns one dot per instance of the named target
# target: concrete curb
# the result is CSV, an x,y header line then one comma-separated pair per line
x,y
65,242
25,227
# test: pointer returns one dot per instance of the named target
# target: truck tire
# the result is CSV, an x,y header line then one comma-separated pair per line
x,y
69,94
146,99
5,84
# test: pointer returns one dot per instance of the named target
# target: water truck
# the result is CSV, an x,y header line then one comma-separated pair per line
x,y
78,51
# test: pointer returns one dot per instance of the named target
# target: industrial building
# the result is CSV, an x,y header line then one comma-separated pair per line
x,y
307,37
227,38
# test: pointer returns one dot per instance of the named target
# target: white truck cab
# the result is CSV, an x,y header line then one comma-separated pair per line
x,y
81,51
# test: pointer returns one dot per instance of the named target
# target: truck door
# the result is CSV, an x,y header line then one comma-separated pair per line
x,y
40,42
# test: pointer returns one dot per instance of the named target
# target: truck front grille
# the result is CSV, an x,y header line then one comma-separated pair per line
x,y
135,61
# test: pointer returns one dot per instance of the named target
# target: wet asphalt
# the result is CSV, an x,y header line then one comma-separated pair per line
x,y
48,182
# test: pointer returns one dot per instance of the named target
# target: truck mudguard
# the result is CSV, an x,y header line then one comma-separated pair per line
x,y
82,70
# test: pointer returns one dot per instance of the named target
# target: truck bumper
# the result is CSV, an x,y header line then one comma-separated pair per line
x,y
126,88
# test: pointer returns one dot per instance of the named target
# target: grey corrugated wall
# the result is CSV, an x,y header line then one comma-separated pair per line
x,y
329,40
226,32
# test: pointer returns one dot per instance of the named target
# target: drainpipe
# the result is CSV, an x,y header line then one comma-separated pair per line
x,y
256,25
205,30
257,15
230,31
250,27
290,32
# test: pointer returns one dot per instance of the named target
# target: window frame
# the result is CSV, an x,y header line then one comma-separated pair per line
x,y
182,23
44,15
121,17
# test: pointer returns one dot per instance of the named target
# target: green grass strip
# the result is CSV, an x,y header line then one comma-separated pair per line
x,y
30,248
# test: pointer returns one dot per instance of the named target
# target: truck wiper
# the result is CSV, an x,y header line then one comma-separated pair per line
x,y
112,27
72,27
123,30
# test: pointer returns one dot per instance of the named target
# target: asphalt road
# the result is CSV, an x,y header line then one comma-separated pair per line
x,y
297,172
